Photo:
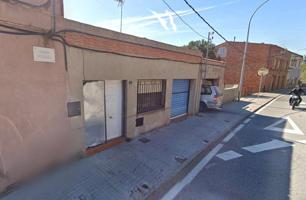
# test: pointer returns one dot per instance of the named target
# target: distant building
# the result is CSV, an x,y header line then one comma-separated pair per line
x,y
294,71
273,57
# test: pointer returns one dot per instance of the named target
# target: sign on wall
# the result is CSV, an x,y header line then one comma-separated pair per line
x,y
42,54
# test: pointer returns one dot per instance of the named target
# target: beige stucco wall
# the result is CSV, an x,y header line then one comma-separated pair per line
x,y
230,93
34,127
90,65
215,71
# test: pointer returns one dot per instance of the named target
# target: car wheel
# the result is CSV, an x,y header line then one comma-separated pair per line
x,y
203,107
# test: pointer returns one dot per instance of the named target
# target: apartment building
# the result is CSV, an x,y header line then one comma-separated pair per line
x,y
273,57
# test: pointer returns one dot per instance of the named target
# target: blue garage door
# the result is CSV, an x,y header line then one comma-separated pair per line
x,y
180,95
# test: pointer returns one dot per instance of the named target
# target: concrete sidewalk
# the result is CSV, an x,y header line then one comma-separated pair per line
x,y
147,166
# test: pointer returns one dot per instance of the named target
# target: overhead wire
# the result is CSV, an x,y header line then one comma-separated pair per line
x,y
119,40
62,39
216,31
184,22
42,5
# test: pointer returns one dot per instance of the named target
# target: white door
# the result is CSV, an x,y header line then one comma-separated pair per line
x,y
113,99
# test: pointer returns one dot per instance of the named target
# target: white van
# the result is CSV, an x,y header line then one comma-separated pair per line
x,y
211,98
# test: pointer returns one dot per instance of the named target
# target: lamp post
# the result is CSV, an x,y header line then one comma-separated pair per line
x,y
246,49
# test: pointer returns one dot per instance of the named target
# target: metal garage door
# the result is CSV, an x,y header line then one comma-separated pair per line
x,y
180,96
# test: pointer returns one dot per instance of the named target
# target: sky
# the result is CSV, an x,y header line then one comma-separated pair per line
x,y
280,22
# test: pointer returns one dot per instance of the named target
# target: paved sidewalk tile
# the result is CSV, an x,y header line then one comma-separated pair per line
x,y
135,169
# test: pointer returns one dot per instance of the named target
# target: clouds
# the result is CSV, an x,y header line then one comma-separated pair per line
x,y
164,22
161,20
156,22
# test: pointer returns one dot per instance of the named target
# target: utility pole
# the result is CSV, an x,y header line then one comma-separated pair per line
x,y
246,49
121,13
209,39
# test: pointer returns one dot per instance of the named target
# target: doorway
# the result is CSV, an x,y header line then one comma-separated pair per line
x,y
102,111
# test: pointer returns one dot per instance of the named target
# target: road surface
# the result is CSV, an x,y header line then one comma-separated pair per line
x,y
263,158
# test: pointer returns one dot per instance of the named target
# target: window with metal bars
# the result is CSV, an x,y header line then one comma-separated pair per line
x,y
150,95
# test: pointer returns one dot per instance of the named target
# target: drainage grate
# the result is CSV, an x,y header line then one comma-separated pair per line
x,y
145,186
205,141
180,159
144,140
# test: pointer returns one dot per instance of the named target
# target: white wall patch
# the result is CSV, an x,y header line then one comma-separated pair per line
x,y
42,54
295,130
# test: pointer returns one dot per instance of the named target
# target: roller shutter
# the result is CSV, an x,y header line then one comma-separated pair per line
x,y
180,96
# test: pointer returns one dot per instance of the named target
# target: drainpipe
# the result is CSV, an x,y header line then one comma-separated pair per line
x,y
53,16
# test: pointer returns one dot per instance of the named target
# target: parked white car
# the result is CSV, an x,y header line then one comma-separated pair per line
x,y
211,98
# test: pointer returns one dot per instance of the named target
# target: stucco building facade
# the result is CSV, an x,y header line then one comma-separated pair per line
x,y
294,71
71,89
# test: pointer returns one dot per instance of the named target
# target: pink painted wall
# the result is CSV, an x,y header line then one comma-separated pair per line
x,y
34,127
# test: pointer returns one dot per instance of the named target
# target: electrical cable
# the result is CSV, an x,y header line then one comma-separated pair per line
x,y
196,12
18,33
19,29
217,32
45,4
188,25
123,41
63,40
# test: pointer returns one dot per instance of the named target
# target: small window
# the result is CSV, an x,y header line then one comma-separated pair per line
x,y
150,95
206,90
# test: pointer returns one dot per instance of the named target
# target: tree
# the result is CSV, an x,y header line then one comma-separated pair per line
x,y
202,46
120,3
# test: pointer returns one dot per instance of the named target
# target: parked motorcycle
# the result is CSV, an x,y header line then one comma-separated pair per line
x,y
294,101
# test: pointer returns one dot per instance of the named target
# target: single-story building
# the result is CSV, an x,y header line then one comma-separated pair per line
x,y
69,88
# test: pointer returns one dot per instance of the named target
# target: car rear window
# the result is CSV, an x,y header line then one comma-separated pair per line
x,y
206,90
218,91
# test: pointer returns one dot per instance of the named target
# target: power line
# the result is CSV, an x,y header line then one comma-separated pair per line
x,y
42,5
196,12
217,32
188,25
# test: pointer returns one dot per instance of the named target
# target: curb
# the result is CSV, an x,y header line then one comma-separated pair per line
x,y
188,166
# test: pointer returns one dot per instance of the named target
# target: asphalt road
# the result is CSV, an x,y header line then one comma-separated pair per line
x,y
265,159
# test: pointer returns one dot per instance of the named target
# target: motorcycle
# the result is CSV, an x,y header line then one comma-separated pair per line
x,y
294,101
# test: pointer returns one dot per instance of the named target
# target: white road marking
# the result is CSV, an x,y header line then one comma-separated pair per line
x,y
261,109
295,129
274,144
232,134
247,121
229,155
177,188
252,116
302,141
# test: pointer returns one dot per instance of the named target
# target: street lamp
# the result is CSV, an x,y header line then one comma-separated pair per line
x,y
245,50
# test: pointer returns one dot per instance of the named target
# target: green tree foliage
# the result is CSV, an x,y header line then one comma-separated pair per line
x,y
202,46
